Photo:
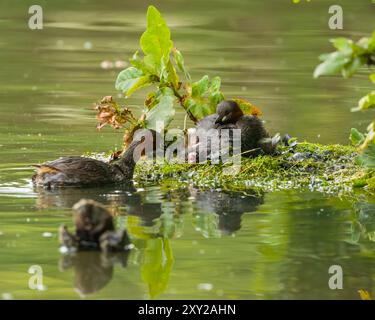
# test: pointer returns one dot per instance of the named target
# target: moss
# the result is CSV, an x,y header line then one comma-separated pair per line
x,y
324,168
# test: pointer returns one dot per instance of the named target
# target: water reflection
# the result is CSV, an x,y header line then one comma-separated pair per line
x,y
216,212
92,270
227,206
152,218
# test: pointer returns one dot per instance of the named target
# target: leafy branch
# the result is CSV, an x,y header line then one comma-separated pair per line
x,y
348,58
161,66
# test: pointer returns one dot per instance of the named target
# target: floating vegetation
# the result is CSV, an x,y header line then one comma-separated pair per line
x,y
322,168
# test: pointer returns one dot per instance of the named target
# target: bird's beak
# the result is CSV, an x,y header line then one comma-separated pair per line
x,y
221,120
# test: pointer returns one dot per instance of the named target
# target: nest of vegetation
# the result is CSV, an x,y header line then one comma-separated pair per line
x,y
328,169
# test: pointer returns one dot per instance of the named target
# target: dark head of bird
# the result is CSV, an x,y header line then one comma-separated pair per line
x,y
228,112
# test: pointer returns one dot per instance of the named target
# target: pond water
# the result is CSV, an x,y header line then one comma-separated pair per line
x,y
189,243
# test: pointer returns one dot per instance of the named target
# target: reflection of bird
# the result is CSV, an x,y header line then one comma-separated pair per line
x,y
94,229
229,206
122,200
80,171
254,137
93,270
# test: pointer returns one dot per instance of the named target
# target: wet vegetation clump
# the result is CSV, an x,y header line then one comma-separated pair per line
x,y
328,169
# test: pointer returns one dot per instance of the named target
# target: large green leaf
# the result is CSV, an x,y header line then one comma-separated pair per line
x,y
156,41
367,157
204,97
162,111
356,137
215,96
132,79
139,63
333,64
200,87
199,107
343,44
367,102
351,67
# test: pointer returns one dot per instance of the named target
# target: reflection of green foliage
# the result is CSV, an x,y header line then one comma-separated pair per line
x,y
170,225
347,59
207,224
157,265
363,225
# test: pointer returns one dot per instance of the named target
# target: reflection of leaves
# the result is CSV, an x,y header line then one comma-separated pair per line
x,y
203,97
363,226
170,225
157,265
356,231
156,41
207,224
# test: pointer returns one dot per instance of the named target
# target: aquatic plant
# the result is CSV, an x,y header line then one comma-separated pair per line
x,y
348,58
329,169
161,65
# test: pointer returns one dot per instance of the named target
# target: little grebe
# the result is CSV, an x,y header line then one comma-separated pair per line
x,y
254,137
81,171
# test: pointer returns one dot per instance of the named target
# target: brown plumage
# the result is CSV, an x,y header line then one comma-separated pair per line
x,y
81,171
254,137
95,229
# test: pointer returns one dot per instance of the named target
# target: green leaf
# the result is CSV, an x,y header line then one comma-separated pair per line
x,y
371,45
180,61
215,85
200,87
138,63
333,64
343,44
367,102
204,97
199,107
132,79
367,157
351,67
162,111
372,78
356,137
215,95
156,41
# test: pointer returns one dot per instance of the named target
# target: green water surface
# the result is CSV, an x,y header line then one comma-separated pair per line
x,y
190,244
